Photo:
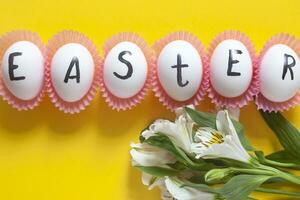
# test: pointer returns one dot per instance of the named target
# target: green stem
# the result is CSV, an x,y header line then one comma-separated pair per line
x,y
279,164
274,191
289,177
281,174
253,171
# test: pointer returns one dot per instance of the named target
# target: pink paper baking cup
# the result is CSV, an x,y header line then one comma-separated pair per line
x,y
5,42
54,44
157,88
117,103
262,102
253,89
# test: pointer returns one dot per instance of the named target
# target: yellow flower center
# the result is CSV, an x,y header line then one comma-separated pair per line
x,y
215,138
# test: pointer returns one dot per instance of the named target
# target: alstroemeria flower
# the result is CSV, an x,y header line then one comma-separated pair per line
x,y
221,143
152,182
171,190
146,155
179,132
186,193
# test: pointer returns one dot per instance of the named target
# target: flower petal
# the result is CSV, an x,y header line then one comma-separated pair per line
x,y
147,155
225,125
233,112
147,133
185,128
181,111
165,194
179,132
186,193
228,149
152,181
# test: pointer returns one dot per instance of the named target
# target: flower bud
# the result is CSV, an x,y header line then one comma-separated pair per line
x,y
218,175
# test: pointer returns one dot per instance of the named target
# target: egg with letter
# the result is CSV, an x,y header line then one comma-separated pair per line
x,y
279,73
72,71
181,76
233,70
126,71
22,69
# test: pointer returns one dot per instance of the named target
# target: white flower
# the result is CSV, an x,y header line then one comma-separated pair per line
x,y
186,193
171,190
146,155
221,143
179,132
152,182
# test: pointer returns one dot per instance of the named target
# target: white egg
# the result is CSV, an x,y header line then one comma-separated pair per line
x,y
279,73
179,68
125,70
72,71
23,70
231,68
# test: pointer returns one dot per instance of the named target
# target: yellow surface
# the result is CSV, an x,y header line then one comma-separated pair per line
x,y
45,154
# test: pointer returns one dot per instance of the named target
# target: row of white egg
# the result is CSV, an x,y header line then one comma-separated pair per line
x,y
177,67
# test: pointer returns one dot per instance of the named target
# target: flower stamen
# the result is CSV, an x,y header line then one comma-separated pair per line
x,y
209,137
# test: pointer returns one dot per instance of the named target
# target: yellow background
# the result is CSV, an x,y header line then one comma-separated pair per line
x,y
45,154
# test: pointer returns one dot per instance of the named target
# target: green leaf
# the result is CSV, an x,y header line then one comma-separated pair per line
x,y
198,186
202,118
260,156
209,120
141,138
287,134
199,179
158,171
279,159
177,166
277,191
283,157
164,142
241,186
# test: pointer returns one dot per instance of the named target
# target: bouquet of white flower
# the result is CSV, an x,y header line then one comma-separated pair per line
x,y
207,156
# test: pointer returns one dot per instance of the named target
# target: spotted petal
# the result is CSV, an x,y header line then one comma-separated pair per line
x,y
210,143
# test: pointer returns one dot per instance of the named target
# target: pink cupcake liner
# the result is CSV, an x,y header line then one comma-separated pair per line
x,y
262,102
117,103
253,89
54,44
157,88
5,42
